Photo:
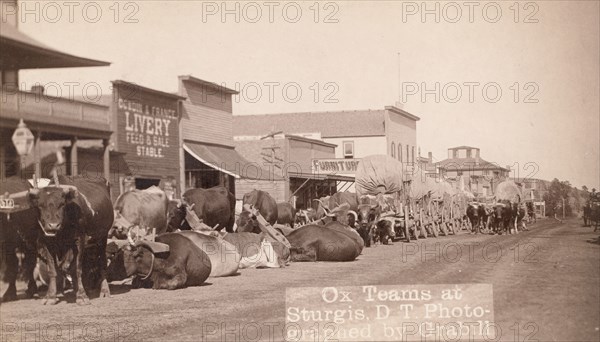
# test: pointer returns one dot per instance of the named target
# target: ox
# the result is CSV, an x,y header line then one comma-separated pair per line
x,y
146,209
214,206
183,264
286,214
266,205
318,243
17,231
502,217
477,215
69,214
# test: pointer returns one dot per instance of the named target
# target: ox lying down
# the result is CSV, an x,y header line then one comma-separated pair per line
x,y
180,265
318,243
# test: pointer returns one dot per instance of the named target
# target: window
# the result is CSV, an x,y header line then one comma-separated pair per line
x,y
413,155
400,152
348,149
469,153
455,153
407,153
393,150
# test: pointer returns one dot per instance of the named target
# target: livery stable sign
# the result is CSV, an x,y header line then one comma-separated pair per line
x,y
337,166
147,128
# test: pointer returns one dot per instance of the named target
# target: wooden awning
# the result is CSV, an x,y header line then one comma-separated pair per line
x,y
19,51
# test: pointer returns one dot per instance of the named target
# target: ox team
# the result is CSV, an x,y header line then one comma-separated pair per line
x,y
72,228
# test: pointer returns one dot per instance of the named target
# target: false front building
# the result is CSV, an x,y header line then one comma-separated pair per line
x,y
338,141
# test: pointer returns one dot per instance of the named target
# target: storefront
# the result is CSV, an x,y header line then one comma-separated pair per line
x,y
208,151
292,158
51,119
147,134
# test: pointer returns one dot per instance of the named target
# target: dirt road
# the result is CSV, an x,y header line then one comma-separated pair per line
x,y
546,285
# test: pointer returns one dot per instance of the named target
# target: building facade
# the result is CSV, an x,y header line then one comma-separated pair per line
x,y
480,176
51,119
356,134
207,146
290,157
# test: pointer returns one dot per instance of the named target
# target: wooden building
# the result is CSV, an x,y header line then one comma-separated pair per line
x,y
208,154
291,158
353,134
146,126
49,118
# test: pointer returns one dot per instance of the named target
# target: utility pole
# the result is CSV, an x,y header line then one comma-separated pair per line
x,y
272,135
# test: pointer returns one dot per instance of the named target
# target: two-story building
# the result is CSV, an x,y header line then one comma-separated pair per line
x,y
480,176
207,151
50,118
356,134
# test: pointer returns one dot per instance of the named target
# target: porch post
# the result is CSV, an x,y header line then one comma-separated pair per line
x,y
106,158
73,159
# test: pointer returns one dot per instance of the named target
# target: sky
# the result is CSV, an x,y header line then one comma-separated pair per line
x,y
518,80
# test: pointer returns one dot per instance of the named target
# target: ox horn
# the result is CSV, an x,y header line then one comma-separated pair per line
x,y
129,239
353,214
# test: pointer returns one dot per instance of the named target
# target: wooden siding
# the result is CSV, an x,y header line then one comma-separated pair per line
x,y
206,115
207,125
277,189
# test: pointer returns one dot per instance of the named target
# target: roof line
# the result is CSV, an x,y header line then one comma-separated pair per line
x,y
402,112
192,79
314,112
149,90
312,141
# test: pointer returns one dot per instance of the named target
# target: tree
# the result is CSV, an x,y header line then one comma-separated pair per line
x,y
554,198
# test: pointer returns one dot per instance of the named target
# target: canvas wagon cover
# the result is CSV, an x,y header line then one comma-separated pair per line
x,y
379,174
508,190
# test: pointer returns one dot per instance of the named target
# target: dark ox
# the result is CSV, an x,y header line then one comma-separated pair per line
x,y
184,264
286,214
17,231
477,215
266,205
502,217
143,208
318,243
368,215
214,206
78,210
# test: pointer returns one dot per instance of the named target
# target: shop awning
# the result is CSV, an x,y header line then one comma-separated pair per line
x,y
320,176
227,160
20,51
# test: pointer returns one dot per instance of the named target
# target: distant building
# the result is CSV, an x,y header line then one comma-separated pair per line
x,y
534,190
355,134
480,176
